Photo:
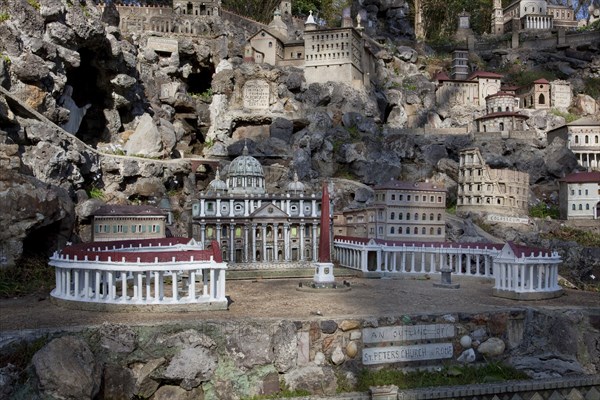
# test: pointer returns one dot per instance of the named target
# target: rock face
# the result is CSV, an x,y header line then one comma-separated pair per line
x,y
67,369
198,359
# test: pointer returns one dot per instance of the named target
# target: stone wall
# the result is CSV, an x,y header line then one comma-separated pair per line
x,y
237,359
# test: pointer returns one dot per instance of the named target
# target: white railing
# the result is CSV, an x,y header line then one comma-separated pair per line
x,y
533,274
144,272
138,284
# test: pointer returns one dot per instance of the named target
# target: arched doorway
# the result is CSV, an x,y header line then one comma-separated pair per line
x,y
597,214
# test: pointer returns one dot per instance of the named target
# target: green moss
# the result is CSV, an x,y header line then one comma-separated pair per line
x,y
592,86
4,16
96,193
30,275
568,234
569,117
34,3
543,210
448,376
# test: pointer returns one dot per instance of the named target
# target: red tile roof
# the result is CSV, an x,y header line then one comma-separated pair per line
x,y
541,81
582,177
401,185
128,210
484,74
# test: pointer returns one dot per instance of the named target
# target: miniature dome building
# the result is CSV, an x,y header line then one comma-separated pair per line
x,y
246,175
268,230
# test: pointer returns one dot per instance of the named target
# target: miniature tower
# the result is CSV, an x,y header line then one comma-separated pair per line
x,y
346,18
310,24
460,64
324,268
498,18
286,8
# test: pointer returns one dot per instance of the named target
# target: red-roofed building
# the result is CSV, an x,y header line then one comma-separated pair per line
x,y
536,95
500,114
127,222
580,196
401,211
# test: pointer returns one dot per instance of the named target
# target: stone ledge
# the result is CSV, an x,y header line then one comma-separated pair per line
x,y
127,308
507,294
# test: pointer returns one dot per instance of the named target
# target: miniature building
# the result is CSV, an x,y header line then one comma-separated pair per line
x,y
536,96
583,138
525,273
253,226
470,90
482,189
145,275
500,114
326,54
401,210
580,196
120,222
182,17
531,15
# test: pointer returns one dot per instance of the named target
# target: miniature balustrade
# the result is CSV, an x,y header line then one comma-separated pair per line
x,y
138,275
536,273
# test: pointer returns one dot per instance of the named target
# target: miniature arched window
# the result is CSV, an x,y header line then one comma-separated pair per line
x,y
576,138
400,216
423,231
416,231
270,44
400,230
596,140
501,126
580,207
392,230
542,99
392,215
431,231
424,217
439,217
431,217
587,139
573,207
416,216
587,206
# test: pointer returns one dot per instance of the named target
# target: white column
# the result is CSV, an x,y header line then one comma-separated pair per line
x,y
314,239
202,206
302,227
254,227
192,286
264,243
275,244
218,210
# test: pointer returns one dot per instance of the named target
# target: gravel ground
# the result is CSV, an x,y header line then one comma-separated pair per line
x,y
279,299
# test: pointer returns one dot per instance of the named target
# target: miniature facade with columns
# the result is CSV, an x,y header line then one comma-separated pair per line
x,y
519,272
401,210
500,114
145,275
531,15
253,226
482,189
583,138
127,222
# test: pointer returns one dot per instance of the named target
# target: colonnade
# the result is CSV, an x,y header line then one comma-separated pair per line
x,y
526,277
588,160
537,22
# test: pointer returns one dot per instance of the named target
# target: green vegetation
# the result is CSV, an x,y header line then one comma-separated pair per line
x,y
569,117
34,3
4,16
592,86
96,193
284,392
543,210
5,58
29,276
448,376
591,27
568,234
527,77
21,354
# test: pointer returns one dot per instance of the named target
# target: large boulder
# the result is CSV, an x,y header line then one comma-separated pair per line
x,y
66,369
319,380
146,140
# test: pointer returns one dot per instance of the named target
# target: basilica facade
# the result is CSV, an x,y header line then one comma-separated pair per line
x,y
253,226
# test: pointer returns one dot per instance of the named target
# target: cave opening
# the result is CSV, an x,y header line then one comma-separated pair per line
x,y
200,82
42,242
86,81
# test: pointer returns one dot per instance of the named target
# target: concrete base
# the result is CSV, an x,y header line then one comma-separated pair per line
x,y
111,307
527,295
447,285
323,273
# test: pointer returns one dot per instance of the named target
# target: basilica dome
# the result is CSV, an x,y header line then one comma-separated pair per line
x,y
246,175
217,185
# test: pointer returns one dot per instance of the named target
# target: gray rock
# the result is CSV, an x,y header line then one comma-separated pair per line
x,y
546,365
192,365
492,347
117,338
170,392
123,81
586,104
60,33
316,379
467,356
118,383
328,326
407,54
294,81
29,68
285,346
145,385
337,356
145,140
66,369
9,374
282,128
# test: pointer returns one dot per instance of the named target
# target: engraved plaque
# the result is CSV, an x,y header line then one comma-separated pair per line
x,y
407,333
394,354
163,44
256,95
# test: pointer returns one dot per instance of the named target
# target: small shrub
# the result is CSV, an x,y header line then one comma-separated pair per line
x,y
4,16
96,193
569,117
568,234
6,59
34,3
543,210
592,86
30,275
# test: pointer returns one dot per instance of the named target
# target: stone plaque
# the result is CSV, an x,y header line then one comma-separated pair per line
x,y
394,354
256,95
163,44
506,219
406,333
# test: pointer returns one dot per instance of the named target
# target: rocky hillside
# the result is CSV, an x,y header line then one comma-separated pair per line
x,y
147,112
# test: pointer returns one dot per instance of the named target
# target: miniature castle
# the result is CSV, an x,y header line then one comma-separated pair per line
x,y
341,54
536,15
